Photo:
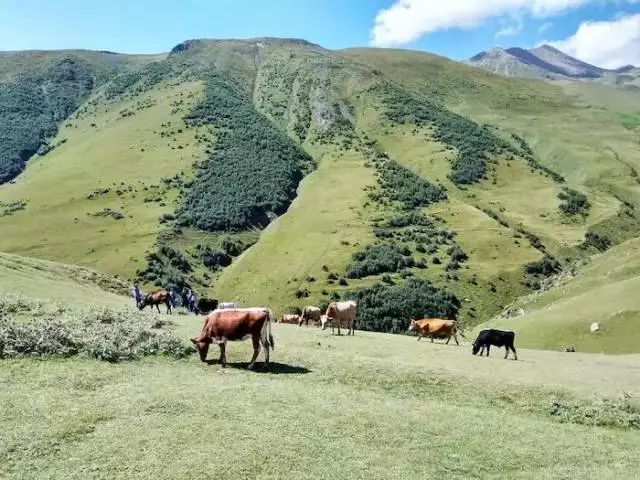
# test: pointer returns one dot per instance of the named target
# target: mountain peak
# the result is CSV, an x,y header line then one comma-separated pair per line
x,y
544,61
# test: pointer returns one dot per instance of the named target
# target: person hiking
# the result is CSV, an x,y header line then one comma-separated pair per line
x,y
136,293
192,302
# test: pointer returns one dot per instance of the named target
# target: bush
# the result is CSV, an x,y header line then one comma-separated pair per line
x,y
573,202
232,247
376,259
599,242
545,267
384,308
457,254
402,185
104,334
213,258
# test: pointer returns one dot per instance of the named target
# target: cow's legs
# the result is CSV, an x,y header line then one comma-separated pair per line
x,y
432,339
455,337
158,307
506,351
265,346
488,349
168,307
448,340
515,355
255,339
419,336
223,355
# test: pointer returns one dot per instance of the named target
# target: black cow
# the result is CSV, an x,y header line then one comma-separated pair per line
x,y
206,305
499,338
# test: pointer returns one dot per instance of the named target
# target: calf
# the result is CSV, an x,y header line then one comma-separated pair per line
x,y
290,319
222,326
498,338
310,313
435,328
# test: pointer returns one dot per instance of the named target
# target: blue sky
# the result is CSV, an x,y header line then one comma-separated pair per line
x,y
454,28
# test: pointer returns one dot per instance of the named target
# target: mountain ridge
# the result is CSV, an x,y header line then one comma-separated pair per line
x,y
543,61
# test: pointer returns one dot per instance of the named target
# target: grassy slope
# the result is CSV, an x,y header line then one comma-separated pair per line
x,y
327,213
57,282
56,223
367,406
605,291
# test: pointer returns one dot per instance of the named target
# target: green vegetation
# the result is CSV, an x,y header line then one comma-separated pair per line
x,y
101,333
573,202
33,104
402,185
254,168
472,142
384,308
379,258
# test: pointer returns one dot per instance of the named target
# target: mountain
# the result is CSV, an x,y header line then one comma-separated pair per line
x,y
277,172
544,62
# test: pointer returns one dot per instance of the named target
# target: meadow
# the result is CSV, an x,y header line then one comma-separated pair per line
x,y
368,406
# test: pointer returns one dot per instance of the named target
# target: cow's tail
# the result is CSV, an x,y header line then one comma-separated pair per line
x,y
267,337
459,330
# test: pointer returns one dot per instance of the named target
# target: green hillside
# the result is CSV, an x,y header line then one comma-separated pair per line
x,y
366,166
57,282
604,291
359,393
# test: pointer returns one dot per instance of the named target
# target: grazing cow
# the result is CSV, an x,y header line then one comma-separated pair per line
x,y
595,327
156,298
222,326
206,306
310,313
290,318
226,306
435,328
499,338
338,313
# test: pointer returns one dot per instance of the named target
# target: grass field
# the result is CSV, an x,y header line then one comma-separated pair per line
x,y
370,406
604,291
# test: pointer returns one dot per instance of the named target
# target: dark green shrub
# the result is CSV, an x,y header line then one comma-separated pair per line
x,y
382,258
386,308
599,242
573,202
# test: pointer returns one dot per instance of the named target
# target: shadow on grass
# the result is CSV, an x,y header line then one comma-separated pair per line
x,y
274,367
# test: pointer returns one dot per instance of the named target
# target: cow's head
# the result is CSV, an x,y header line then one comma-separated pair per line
x,y
202,345
142,303
475,348
413,326
323,321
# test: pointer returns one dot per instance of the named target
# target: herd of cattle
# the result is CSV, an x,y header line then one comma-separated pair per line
x,y
225,322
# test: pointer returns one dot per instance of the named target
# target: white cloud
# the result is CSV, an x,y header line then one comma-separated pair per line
x,y
544,27
407,20
605,44
510,29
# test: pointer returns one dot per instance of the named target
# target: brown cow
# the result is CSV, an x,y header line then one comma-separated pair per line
x,y
435,328
222,326
156,298
290,318
339,313
310,313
